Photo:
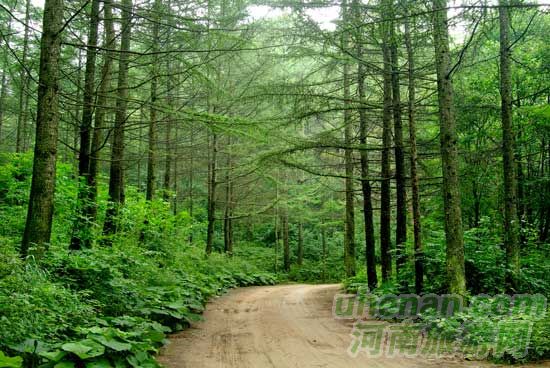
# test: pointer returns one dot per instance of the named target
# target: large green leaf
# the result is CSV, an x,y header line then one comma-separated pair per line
x,y
54,356
112,343
84,349
10,362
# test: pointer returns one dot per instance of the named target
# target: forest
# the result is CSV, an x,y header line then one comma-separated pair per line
x,y
155,154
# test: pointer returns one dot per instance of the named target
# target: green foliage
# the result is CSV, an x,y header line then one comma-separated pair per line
x,y
499,336
106,306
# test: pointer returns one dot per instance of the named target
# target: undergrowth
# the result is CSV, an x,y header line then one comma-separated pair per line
x,y
108,306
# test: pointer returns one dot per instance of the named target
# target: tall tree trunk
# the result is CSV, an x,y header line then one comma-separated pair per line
x,y
401,190
370,244
417,227
152,150
212,167
349,235
449,152
81,233
385,195
116,178
38,226
100,112
511,221
24,80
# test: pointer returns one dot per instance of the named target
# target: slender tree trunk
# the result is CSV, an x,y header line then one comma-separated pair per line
x,y
349,235
385,195
286,243
277,217
449,152
212,194
168,162
175,181
24,91
4,86
191,179
228,221
511,221
520,191
38,226
77,117
324,248
152,151
81,229
401,190
100,113
228,213
370,244
300,255
169,147
116,178
417,227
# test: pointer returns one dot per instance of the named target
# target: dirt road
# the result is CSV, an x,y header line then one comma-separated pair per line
x,y
278,326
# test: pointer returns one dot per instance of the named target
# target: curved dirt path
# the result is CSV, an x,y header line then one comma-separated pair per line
x,y
277,326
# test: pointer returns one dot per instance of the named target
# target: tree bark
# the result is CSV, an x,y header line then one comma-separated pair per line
x,y
24,91
385,199
417,227
370,243
212,184
100,112
449,152
116,178
81,233
168,177
511,222
152,150
401,190
38,226
349,235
